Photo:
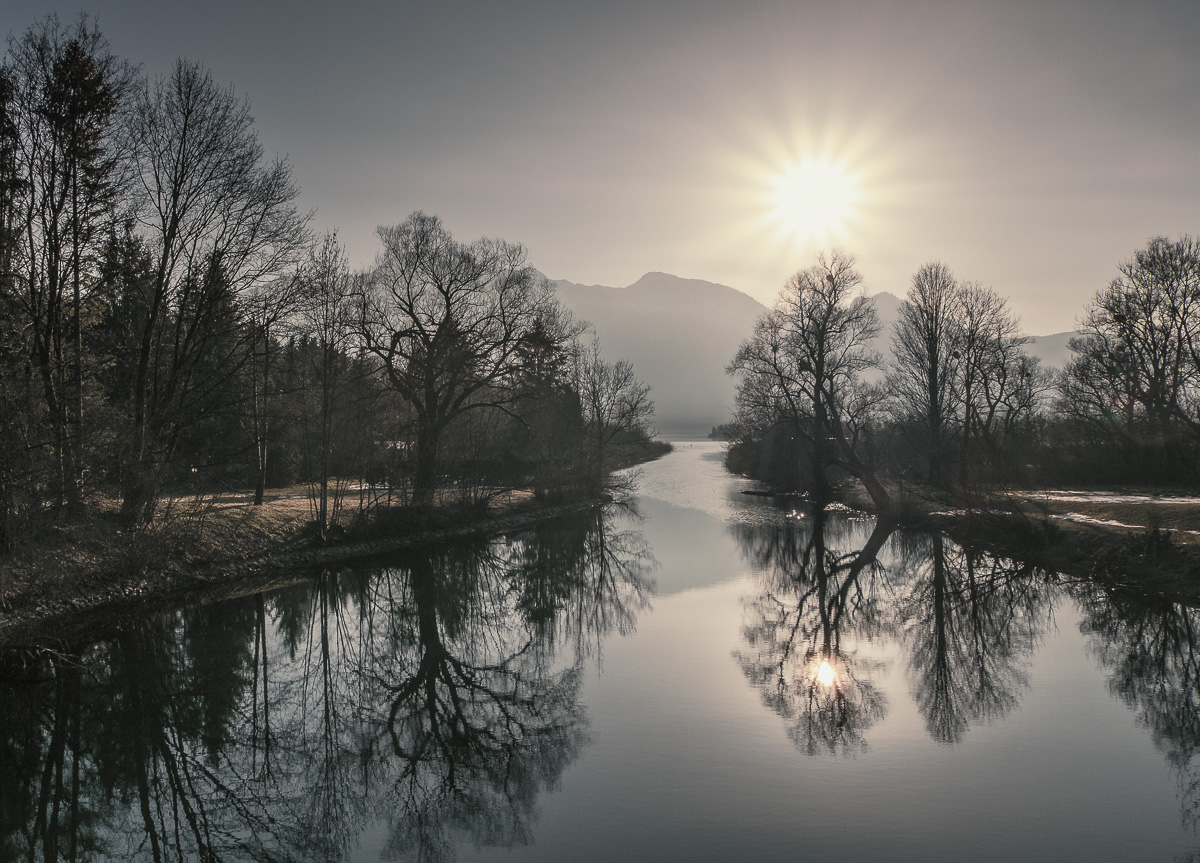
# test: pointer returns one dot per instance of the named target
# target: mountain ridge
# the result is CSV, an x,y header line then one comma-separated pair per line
x,y
678,333
681,333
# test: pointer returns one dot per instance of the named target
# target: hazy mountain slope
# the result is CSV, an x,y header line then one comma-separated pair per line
x,y
678,333
887,306
681,333
1053,349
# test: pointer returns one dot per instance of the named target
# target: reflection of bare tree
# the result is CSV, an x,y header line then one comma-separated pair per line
x,y
44,798
819,592
178,788
133,743
423,696
971,622
449,702
585,580
319,702
476,724
1149,647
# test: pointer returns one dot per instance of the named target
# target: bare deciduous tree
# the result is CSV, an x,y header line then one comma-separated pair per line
x,y
803,364
992,367
960,377
1136,369
327,315
219,220
447,320
265,307
924,360
616,405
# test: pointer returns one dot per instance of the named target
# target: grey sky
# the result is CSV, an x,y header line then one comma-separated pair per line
x,y
1030,146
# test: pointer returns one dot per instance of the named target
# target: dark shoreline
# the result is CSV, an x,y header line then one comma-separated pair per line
x,y
1146,561
110,596
1149,564
66,605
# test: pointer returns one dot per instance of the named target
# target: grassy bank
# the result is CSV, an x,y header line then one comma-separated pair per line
x,y
210,547
206,546
1137,538
1132,540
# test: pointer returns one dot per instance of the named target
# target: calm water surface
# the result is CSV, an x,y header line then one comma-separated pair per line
x,y
702,676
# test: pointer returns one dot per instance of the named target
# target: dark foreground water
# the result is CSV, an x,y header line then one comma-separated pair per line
x,y
707,678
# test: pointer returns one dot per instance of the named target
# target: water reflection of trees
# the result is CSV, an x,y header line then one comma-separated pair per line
x,y
817,597
968,622
147,773
1148,646
588,583
971,622
434,697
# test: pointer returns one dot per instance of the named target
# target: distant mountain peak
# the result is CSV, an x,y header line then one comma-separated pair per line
x,y
679,333
657,281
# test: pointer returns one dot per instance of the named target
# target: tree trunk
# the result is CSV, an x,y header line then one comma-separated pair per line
x,y
262,422
48,357
326,435
879,495
863,472
820,440
137,484
425,478
77,440
936,434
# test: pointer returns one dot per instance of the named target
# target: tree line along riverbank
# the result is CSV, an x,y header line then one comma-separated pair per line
x,y
171,327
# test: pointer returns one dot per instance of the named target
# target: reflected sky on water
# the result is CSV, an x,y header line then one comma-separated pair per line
x,y
702,676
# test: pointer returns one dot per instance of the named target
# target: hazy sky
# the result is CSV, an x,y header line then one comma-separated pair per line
x,y
1030,146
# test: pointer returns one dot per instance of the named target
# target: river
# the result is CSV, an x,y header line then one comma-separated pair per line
x,y
699,675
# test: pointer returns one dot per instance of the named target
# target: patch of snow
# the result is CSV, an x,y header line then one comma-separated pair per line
x,y
1068,496
1084,519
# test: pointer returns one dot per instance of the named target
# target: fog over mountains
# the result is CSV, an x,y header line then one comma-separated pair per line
x,y
681,333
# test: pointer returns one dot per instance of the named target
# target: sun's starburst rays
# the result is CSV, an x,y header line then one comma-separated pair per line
x,y
814,200
801,186
790,184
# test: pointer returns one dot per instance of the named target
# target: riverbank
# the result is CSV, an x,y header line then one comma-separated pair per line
x,y
1138,539
205,550
1129,539
1150,561
207,547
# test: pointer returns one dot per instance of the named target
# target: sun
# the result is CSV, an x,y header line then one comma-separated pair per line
x,y
791,185
814,199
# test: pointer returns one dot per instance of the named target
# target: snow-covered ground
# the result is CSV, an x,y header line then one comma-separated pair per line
x,y
1085,519
1067,496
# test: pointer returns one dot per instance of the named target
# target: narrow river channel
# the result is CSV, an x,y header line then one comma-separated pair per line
x,y
701,675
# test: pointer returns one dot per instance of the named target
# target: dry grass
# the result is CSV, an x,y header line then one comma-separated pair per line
x,y
1135,512
87,560
1129,540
